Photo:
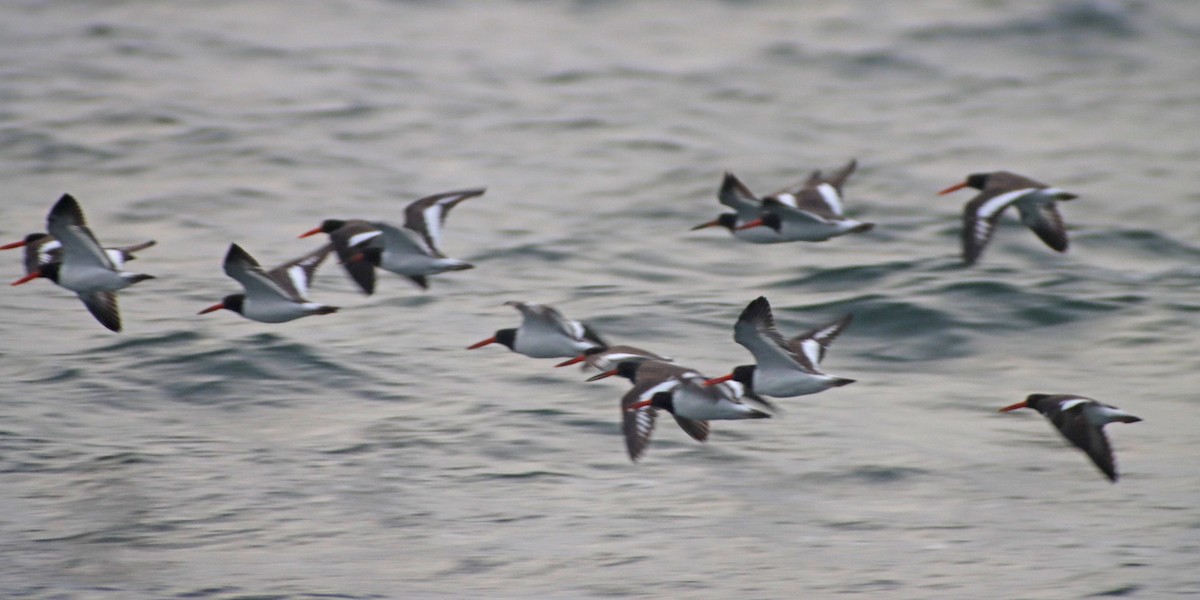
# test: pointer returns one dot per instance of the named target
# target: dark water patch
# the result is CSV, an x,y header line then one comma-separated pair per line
x,y
203,135
595,426
122,458
909,331
1072,19
1145,242
869,474
206,592
45,153
474,565
1125,590
538,251
843,278
60,375
560,124
168,340
523,475
1005,306
658,145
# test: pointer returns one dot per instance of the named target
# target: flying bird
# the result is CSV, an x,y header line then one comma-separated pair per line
x,y
783,368
274,296
544,333
42,249
605,358
84,267
811,212
1036,202
412,250
1081,420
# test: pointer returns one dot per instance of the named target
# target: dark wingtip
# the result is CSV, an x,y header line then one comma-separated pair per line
x,y
327,310
865,227
840,381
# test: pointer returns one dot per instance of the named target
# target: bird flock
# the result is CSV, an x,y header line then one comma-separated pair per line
x,y
70,255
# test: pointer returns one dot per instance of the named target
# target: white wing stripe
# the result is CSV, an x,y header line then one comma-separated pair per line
x,y
988,209
829,193
1069,404
363,237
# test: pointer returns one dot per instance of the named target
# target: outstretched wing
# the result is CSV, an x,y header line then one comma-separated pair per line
x,y
1073,424
245,270
980,216
812,344
427,215
295,276
67,224
349,241
737,196
638,425
103,306
755,330
1041,215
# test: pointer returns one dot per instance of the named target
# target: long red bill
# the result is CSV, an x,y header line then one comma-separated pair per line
x,y
1014,407
313,231
721,379
603,375
953,188
13,245
215,307
706,225
567,363
490,340
754,223
27,278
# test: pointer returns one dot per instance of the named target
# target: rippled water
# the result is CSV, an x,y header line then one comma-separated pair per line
x,y
368,455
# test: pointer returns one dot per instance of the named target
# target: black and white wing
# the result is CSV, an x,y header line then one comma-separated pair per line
x,y
349,241
67,224
295,276
755,330
737,196
812,344
122,254
103,306
427,215
1040,214
638,425
245,270
1071,420
980,216
42,252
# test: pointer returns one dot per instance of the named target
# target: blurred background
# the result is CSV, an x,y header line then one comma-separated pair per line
x,y
368,455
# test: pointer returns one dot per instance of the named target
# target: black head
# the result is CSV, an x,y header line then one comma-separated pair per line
x,y
628,369
33,238
663,400
593,351
1033,399
744,375
506,337
727,220
978,180
331,225
234,302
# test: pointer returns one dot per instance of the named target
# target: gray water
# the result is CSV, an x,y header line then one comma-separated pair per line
x,y
368,455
